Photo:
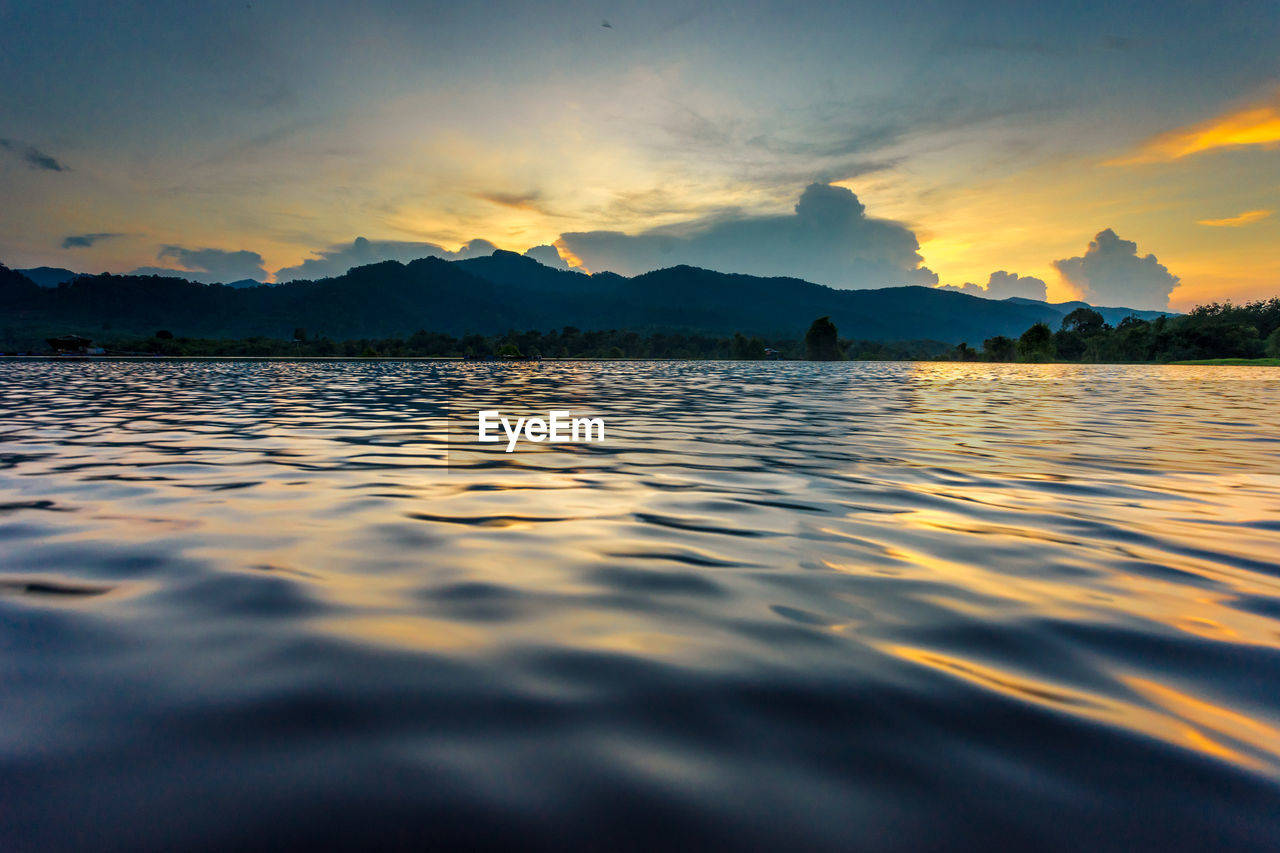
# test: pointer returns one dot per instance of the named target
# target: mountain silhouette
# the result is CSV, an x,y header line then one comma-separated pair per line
x,y
48,276
1109,314
502,291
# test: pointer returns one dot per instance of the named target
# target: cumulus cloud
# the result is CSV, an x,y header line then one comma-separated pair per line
x,y
208,265
547,256
829,240
84,241
968,287
336,260
32,156
1002,285
1112,273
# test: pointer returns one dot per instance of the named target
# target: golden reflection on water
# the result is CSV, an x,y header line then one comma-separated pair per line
x,y
1159,711
869,521
1223,722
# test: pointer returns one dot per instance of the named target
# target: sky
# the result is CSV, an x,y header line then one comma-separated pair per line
x,y
1126,153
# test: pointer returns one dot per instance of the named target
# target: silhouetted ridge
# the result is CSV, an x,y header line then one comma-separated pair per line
x,y
507,291
524,273
16,289
49,276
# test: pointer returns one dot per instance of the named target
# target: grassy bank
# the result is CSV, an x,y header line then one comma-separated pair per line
x,y
1262,362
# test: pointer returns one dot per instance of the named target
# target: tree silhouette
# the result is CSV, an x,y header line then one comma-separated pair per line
x,y
747,349
1085,321
821,342
1036,343
1000,348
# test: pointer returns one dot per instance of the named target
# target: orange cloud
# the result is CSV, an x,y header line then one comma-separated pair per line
x,y
1255,125
1236,221
569,257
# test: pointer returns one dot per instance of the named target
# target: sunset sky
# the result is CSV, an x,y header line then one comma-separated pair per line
x,y
238,139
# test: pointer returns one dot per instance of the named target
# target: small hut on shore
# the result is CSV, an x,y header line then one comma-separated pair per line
x,y
69,345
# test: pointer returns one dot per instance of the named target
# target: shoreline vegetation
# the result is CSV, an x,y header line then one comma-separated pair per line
x,y
1231,362
116,356
1220,333
898,324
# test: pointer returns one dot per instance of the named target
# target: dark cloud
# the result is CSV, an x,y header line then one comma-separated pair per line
x,y
336,260
845,135
531,200
511,199
1111,273
208,265
84,241
1072,45
829,239
547,256
1002,285
33,157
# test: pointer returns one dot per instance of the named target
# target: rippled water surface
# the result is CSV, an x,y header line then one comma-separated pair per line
x,y
851,606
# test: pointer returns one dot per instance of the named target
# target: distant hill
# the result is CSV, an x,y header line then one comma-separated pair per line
x,y
54,276
493,294
48,276
521,272
507,291
524,273
16,291
1111,315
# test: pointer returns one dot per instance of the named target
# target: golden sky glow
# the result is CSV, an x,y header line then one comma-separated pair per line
x,y
1253,125
283,136
1023,220
1249,216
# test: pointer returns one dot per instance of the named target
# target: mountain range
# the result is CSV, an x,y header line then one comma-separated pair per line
x,y
502,291
54,276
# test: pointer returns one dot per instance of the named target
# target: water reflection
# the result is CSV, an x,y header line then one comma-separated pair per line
x,y
867,605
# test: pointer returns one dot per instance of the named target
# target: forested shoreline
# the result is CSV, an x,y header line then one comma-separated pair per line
x,y
568,342
1219,330
1209,332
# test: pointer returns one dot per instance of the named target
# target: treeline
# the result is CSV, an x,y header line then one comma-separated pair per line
x,y
1215,331
568,342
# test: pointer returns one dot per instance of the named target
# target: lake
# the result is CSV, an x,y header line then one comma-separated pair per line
x,y
877,606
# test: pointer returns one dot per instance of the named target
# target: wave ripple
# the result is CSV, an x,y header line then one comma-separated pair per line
x,y
850,606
